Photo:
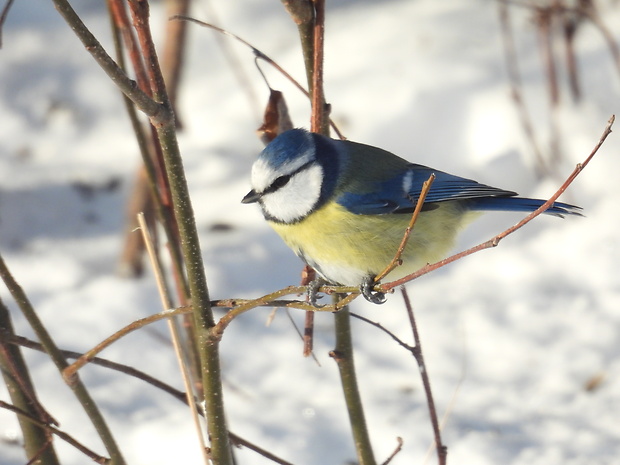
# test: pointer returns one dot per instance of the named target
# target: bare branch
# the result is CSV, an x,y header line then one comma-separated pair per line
x,y
52,429
494,241
396,261
442,451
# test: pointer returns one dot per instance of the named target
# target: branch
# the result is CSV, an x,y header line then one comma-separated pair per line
x,y
76,385
175,333
130,371
121,368
398,448
259,55
52,429
37,442
493,242
442,451
154,110
396,261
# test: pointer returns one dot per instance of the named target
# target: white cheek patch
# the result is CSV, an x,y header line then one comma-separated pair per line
x,y
297,198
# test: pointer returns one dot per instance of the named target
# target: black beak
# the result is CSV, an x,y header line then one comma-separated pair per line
x,y
251,197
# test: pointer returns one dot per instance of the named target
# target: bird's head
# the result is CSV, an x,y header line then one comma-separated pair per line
x,y
289,176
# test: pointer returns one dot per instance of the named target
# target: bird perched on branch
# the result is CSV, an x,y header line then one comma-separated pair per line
x,y
343,207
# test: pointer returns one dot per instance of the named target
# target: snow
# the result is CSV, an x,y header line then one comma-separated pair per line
x,y
512,335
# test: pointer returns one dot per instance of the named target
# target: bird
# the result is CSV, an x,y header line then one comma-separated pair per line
x,y
343,207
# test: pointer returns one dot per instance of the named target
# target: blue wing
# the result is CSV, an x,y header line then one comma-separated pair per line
x,y
400,192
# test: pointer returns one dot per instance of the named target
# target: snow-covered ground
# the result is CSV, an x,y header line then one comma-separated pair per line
x,y
512,336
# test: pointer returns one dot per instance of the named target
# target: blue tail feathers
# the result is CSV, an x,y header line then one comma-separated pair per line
x,y
520,204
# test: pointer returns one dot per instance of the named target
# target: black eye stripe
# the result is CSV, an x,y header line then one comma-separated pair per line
x,y
278,183
282,181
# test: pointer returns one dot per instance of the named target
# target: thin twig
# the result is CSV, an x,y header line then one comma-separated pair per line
x,y
245,82
121,20
52,429
121,368
78,388
174,331
203,318
237,307
259,55
71,370
396,261
398,448
385,330
442,451
493,242
307,276
153,164
239,441
158,113
179,395
544,20
174,51
21,390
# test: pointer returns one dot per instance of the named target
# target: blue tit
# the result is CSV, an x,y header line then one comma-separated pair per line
x,y
343,207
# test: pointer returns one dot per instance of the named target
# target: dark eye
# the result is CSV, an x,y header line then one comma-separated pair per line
x,y
279,182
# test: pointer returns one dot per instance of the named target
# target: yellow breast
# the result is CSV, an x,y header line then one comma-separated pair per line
x,y
345,247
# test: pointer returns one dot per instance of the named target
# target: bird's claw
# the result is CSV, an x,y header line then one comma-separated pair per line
x,y
367,290
313,291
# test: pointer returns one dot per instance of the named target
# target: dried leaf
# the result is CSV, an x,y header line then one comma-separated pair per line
x,y
276,119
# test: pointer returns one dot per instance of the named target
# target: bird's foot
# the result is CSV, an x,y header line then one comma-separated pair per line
x,y
313,291
372,296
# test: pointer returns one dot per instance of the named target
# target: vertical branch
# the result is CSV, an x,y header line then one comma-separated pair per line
x,y
343,355
151,186
310,18
37,441
221,452
320,120
151,193
174,330
164,81
173,54
140,200
162,118
442,450
172,65
83,396
302,12
203,315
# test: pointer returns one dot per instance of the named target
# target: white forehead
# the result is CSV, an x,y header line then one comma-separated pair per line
x,y
276,161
